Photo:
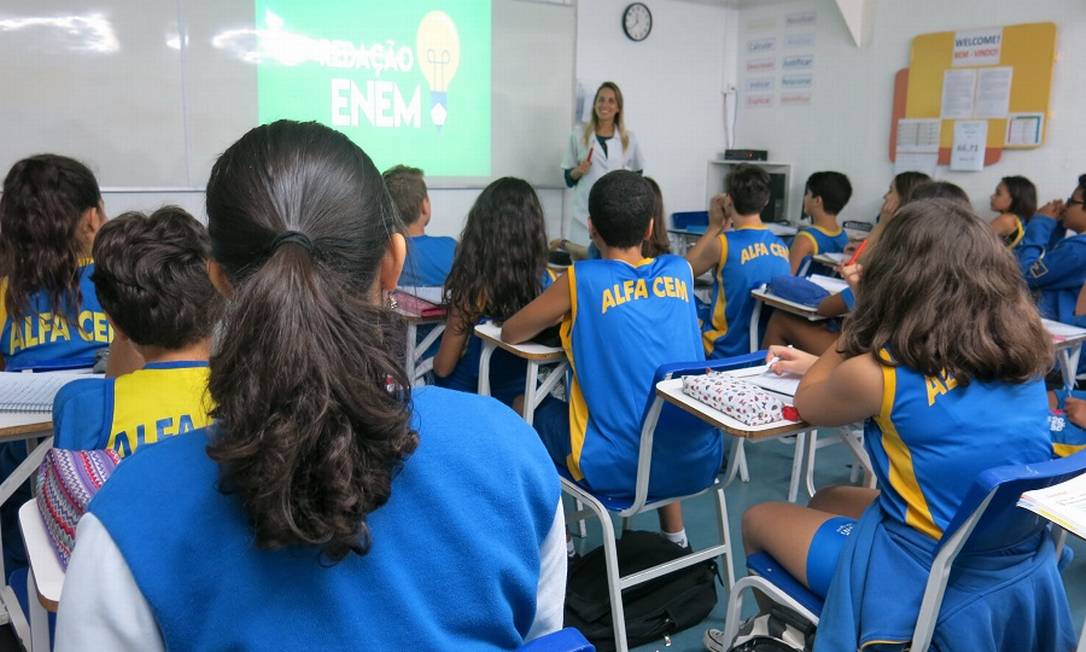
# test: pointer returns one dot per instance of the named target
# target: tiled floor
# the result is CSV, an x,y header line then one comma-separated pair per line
x,y
770,467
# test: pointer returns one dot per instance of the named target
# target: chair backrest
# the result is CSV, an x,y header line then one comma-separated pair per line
x,y
1001,523
685,219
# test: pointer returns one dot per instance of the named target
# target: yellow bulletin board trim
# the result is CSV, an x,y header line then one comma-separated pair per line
x,y
1030,49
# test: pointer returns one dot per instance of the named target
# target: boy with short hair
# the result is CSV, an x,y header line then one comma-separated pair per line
x,y
742,258
622,317
429,258
151,276
825,197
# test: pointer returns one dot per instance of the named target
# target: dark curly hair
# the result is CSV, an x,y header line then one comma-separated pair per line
x,y
937,267
748,186
502,255
313,402
150,274
44,198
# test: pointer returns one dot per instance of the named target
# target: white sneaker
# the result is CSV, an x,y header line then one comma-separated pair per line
x,y
713,640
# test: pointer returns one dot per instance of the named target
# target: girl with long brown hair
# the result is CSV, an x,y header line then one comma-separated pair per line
x,y
330,506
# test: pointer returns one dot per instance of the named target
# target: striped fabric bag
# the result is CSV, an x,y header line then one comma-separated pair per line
x,y
65,484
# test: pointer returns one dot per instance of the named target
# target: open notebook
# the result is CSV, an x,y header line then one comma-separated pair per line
x,y
1064,504
33,392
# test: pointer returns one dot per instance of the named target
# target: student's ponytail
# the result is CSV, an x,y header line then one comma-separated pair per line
x,y
312,399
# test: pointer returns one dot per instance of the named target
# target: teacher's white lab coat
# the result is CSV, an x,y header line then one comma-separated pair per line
x,y
615,159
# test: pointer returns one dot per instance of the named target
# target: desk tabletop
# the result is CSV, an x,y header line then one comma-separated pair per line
x,y
17,425
798,309
832,259
48,573
490,332
1064,336
698,230
672,391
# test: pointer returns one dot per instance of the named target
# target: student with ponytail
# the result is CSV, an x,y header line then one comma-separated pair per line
x,y
329,506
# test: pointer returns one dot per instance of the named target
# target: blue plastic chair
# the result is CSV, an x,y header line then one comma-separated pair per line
x,y
569,639
987,519
670,419
683,221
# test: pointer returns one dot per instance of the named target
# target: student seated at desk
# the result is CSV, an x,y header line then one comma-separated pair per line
x,y
330,506
742,258
429,258
500,266
826,195
1015,202
1054,266
152,281
655,245
622,317
926,385
50,211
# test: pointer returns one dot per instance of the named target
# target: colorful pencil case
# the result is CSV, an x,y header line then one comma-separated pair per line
x,y
740,400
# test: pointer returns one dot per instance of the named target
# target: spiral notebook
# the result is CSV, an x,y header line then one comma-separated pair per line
x,y
32,392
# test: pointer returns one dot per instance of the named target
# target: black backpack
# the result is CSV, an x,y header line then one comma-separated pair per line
x,y
653,610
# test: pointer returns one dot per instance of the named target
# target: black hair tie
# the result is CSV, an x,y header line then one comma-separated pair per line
x,y
295,237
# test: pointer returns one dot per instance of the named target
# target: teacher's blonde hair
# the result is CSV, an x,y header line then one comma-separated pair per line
x,y
590,126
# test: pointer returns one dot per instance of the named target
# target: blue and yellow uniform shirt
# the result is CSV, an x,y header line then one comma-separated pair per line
x,y
429,259
40,339
749,258
932,437
823,241
138,409
1054,267
625,321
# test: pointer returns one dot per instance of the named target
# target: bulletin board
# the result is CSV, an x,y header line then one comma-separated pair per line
x,y
1028,50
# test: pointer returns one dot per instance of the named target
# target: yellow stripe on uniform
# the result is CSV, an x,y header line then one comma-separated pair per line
x,y
578,409
718,320
814,242
1067,450
1019,232
902,474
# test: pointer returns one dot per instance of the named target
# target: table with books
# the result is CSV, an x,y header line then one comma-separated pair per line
x,y
1067,341
763,297
420,307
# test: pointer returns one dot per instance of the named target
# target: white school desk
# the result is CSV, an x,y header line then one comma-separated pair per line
x,y
831,260
536,355
806,445
416,367
762,296
45,580
1068,341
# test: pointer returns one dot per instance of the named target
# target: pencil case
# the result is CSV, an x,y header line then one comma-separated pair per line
x,y
745,402
65,484
797,289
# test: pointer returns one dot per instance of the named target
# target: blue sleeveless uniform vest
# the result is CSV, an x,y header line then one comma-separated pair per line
x,y
749,258
40,339
432,579
824,242
140,408
625,322
930,440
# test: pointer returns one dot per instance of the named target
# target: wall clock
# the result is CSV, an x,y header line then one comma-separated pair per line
x,y
637,21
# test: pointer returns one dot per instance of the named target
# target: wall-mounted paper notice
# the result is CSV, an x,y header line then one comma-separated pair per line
x,y
918,135
993,92
970,138
1024,129
958,87
916,162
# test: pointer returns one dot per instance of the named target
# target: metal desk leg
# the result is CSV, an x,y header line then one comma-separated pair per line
x,y
530,391
1069,365
797,466
409,363
484,368
755,319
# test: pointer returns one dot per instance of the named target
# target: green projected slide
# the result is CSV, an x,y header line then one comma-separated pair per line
x,y
408,80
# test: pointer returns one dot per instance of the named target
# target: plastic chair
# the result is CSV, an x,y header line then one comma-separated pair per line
x,y
656,412
989,512
686,219
569,639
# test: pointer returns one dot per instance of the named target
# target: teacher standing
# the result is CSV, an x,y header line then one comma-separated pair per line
x,y
596,148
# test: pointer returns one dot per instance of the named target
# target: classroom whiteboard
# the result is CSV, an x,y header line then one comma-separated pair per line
x,y
149,92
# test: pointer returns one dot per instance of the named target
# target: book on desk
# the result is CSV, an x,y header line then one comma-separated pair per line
x,y
420,301
1064,504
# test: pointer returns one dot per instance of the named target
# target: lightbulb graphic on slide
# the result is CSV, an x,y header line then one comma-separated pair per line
x,y
437,50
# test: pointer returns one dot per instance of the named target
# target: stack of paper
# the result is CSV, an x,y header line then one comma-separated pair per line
x,y
1064,504
827,283
32,392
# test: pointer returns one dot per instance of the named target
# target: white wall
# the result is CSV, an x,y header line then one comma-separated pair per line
x,y
671,83
847,125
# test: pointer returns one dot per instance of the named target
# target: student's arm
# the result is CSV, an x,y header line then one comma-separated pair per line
x,y
1003,224
453,342
838,391
546,310
1080,304
803,245
1061,267
102,607
833,306
551,591
1039,233
705,253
